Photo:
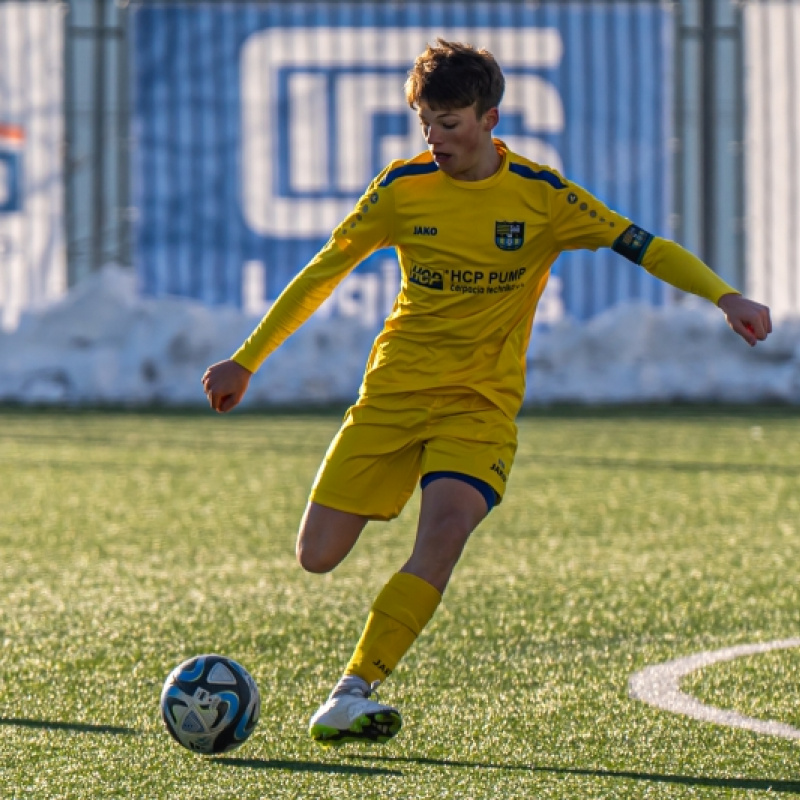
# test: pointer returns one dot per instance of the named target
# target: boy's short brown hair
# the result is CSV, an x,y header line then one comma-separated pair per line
x,y
455,75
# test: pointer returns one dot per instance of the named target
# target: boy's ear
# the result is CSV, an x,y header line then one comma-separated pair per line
x,y
490,119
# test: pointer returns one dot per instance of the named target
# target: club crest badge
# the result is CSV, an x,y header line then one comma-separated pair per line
x,y
509,235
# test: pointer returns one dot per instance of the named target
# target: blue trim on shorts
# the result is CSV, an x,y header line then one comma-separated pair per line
x,y
489,494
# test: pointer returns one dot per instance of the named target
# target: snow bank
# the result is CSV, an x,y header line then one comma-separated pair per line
x,y
104,344
637,353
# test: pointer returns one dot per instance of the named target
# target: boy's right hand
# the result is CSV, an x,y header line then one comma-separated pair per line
x,y
225,384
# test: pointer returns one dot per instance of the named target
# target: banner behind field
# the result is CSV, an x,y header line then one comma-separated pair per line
x,y
256,127
32,246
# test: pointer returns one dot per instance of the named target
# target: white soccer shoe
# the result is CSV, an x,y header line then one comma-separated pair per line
x,y
354,717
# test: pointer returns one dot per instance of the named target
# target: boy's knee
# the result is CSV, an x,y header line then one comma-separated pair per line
x,y
326,537
312,560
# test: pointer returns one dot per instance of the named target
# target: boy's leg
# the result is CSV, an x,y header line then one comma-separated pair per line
x,y
451,509
371,469
326,536
369,472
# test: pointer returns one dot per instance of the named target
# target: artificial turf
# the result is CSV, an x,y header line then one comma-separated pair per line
x,y
131,541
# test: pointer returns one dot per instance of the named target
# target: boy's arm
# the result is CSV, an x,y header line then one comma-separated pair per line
x,y
580,220
226,382
297,302
675,265
366,229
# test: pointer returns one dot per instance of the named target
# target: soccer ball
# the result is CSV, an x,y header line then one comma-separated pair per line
x,y
210,704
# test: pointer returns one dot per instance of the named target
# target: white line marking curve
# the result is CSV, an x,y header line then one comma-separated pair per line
x,y
659,686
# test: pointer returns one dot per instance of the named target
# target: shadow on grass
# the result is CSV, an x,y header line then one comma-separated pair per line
x,y
753,784
304,766
77,727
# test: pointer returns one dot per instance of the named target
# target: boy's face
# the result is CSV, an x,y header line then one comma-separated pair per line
x,y
459,140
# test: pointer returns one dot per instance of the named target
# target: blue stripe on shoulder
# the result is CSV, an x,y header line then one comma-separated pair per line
x,y
541,175
408,169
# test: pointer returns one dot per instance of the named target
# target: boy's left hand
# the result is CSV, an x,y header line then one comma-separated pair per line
x,y
749,319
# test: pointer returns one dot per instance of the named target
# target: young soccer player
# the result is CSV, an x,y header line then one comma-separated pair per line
x,y
476,228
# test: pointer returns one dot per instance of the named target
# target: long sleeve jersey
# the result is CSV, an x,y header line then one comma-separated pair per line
x,y
475,257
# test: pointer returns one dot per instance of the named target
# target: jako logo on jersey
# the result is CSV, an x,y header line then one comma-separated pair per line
x,y
424,230
430,278
509,235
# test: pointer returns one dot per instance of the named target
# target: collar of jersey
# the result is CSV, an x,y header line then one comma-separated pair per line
x,y
486,183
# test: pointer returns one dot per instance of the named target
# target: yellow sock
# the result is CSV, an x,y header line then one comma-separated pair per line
x,y
398,615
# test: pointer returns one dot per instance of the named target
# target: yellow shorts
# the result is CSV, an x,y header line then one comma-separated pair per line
x,y
387,443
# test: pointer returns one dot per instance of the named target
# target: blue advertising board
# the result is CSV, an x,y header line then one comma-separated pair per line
x,y
257,126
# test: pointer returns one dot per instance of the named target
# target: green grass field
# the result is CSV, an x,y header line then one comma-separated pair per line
x,y
129,542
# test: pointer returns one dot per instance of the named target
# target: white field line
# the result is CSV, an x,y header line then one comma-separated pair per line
x,y
659,686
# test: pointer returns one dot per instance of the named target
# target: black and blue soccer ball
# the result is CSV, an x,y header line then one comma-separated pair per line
x,y
210,704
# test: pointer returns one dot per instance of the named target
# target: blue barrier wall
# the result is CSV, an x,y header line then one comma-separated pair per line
x,y
255,128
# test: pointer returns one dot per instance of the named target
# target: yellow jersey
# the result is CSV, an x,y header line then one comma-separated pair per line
x,y
475,257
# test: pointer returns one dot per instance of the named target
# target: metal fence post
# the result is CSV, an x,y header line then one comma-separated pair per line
x,y
96,146
708,130
98,137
